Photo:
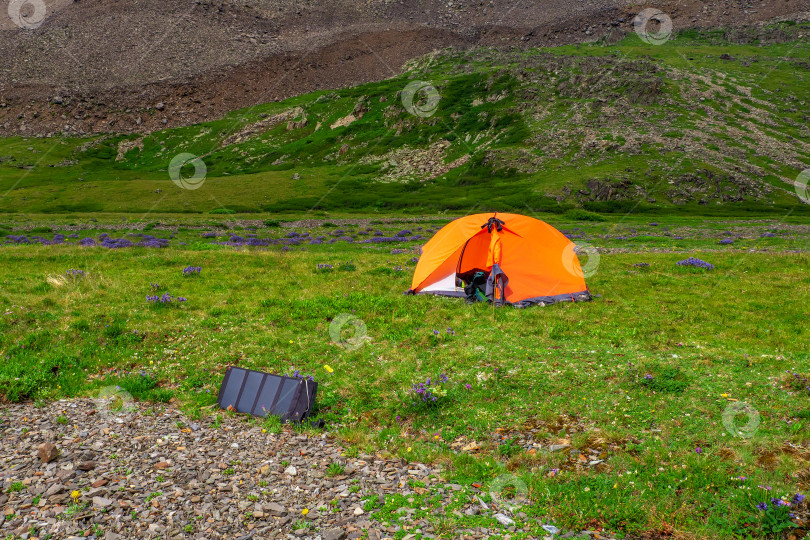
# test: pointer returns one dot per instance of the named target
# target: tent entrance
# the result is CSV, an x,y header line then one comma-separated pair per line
x,y
447,286
480,260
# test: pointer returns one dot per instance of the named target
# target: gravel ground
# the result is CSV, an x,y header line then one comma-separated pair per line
x,y
74,469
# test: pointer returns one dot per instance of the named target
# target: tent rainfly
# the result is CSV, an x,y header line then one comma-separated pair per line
x,y
501,258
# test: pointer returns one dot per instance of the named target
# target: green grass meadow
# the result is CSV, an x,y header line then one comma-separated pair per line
x,y
641,376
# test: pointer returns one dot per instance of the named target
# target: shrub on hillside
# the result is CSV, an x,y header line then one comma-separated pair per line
x,y
584,215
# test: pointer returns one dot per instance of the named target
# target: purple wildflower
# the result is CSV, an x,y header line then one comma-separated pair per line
x,y
164,299
115,243
384,239
697,263
300,375
423,391
153,243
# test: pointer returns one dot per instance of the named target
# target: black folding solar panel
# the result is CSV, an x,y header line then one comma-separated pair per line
x,y
260,394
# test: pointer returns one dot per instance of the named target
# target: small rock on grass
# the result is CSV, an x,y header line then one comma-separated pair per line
x,y
47,452
275,509
101,502
334,534
504,520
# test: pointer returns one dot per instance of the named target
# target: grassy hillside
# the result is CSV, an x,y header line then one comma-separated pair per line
x,y
699,124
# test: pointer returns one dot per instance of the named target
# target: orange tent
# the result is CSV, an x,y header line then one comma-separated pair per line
x,y
524,261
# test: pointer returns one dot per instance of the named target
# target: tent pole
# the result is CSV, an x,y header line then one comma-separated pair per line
x,y
494,297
